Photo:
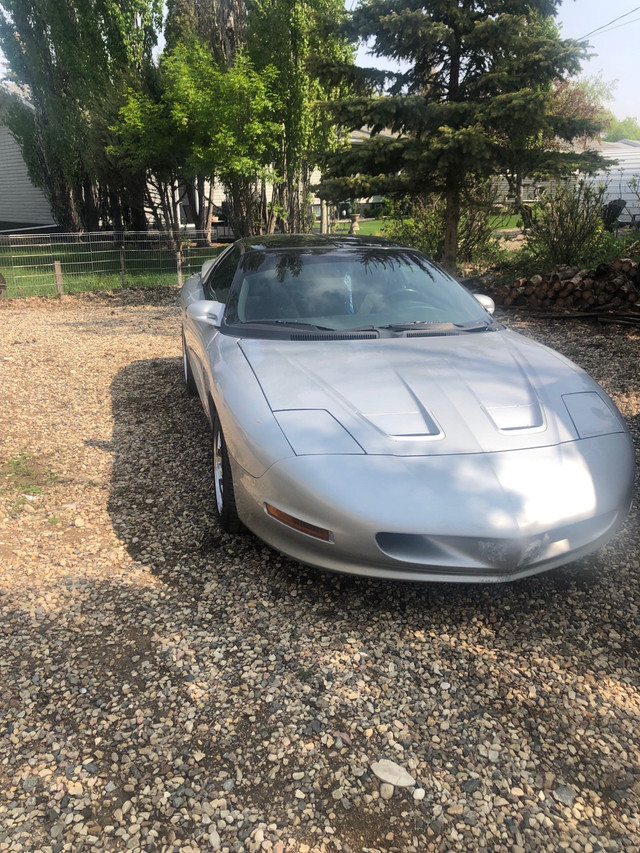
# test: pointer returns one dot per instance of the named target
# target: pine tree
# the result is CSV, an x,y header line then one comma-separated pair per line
x,y
475,101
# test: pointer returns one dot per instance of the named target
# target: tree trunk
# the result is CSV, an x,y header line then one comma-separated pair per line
x,y
452,218
91,214
208,218
137,195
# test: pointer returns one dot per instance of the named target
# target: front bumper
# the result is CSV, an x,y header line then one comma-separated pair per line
x,y
478,517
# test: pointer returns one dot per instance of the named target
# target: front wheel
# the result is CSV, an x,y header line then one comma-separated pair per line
x,y
223,483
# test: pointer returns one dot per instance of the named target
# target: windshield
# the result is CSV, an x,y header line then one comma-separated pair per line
x,y
349,290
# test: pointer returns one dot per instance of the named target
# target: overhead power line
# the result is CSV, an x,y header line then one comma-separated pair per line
x,y
611,29
604,26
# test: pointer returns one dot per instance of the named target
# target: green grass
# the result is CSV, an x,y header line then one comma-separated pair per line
x,y
506,221
24,475
372,228
376,227
368,227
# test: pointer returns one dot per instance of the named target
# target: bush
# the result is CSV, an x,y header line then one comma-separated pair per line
x,y
419,221
566,225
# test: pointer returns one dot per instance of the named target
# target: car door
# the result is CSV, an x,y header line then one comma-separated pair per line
x,y
199,334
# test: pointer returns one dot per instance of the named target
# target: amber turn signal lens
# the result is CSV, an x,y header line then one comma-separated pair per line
x,y
298,524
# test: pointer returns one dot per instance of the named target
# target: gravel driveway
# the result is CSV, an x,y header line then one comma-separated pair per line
x,y
164,686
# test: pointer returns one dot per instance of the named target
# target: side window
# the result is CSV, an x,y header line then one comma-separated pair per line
x,y
219,281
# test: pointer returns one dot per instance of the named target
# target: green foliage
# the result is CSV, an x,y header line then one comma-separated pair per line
x,y
475,101
296,37
617,129
66,55
566,225
420,221
225,115
197,118
523,263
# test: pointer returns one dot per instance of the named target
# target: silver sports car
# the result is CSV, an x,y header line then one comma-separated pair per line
x,y
370,416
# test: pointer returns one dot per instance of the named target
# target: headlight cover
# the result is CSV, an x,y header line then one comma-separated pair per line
x,y
315,432
592,415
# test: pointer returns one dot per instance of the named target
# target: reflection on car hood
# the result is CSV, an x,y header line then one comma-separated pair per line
x,y
461,394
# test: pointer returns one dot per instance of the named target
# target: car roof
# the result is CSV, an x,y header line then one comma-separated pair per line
x,y
278,242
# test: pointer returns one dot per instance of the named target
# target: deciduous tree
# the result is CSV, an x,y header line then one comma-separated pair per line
x,y
198,119
617,129
297,37
65,55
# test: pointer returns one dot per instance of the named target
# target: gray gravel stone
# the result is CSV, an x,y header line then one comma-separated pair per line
x,y
564,795
391,772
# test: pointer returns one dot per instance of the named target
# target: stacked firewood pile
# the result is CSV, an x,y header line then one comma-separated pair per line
x,y
610,288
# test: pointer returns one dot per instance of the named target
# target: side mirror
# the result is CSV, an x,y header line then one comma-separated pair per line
x,y
486,301
205,311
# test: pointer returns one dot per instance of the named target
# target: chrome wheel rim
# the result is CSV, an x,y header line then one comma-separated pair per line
x,y
218,474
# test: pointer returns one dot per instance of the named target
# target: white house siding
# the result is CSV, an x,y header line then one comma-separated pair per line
x,y
617,177
20,201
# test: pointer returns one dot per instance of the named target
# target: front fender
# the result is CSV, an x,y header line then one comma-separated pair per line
x,y
254,439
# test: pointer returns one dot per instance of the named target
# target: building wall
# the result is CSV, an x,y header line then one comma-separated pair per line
x,y
618,176
21,204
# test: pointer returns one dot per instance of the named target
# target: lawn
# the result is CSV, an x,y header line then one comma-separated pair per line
x,y
368,227
376,227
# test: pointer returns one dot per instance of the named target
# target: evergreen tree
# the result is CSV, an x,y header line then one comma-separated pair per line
x,y
475,100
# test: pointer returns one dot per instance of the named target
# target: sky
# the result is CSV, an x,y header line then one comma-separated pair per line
x,y
615,48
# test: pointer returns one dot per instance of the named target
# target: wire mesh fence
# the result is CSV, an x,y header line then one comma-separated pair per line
x,y
44,264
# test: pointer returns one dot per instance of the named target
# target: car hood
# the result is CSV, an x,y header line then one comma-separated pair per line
x,y
465,393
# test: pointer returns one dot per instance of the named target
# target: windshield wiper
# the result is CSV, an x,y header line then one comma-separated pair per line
x,y
477,326
419,324
361,329
472,326
290,324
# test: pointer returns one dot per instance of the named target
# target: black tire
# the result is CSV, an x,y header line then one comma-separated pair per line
x,y
224,496
189,380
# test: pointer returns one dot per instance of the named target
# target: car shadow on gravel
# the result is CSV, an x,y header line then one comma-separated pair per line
x,y
161,504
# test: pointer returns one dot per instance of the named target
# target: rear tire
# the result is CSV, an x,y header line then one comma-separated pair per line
x,y
225,500
189,380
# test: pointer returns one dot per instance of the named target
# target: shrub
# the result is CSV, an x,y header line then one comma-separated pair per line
x,y
566,225
419,221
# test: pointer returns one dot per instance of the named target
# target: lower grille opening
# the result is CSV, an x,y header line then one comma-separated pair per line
x,y
476,553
